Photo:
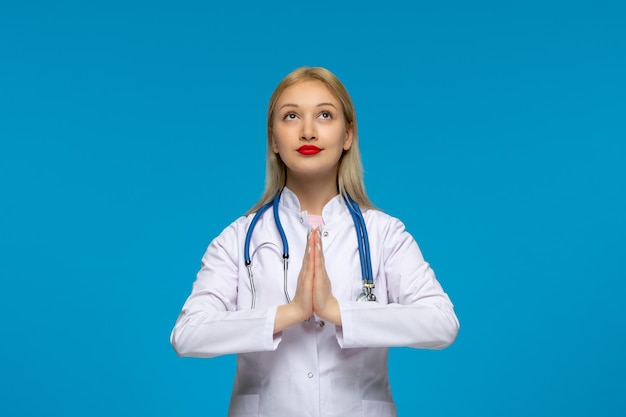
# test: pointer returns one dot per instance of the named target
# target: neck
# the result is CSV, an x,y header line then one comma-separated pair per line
x,y
313,193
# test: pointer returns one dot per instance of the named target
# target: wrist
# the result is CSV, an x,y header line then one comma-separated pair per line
x,y
332,313
287,315
296,313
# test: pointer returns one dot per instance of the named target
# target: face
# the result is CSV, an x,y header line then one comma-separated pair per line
x,y
309,131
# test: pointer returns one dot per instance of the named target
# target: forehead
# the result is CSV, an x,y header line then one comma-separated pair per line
x,y
307,92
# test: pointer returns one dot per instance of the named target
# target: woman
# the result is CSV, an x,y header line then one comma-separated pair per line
x,y
305,345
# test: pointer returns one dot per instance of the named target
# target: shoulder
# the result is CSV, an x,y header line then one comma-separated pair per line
x,y
233,232
380,220
229,242
386,228
390,234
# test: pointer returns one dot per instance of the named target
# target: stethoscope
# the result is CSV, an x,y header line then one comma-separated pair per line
x,y
362,239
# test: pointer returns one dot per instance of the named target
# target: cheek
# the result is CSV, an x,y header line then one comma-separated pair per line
x,y
277,134
280,136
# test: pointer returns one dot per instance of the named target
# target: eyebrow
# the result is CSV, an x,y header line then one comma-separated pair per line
x,y
319,105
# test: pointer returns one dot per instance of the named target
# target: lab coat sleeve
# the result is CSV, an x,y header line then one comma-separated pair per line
x,y
209,324
419,313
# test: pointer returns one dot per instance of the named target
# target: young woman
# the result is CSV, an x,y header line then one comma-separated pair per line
x,y
279,286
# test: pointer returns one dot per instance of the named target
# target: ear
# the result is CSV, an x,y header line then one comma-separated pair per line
x,y
274,146
347,143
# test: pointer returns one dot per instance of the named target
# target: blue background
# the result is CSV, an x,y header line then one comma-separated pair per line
x,y
132,133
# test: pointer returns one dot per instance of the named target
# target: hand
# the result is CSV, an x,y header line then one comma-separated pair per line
x,y
313,291
301,306
325,305
303,299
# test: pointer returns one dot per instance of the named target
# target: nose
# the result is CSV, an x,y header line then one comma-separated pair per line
x,y
308,130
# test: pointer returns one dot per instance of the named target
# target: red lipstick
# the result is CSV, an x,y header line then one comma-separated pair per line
x,y
308,150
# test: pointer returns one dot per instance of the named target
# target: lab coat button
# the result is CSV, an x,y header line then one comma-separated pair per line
x,y
301,220
325,234
310,374
322,324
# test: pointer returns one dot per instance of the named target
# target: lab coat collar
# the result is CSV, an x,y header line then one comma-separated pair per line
x,y
335,207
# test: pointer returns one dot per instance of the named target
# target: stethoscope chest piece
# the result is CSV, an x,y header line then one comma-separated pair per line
x,y
365,297
367,294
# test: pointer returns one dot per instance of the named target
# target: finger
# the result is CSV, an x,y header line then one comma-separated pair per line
x,y
319,245
307,247
319,249
308,264
311,249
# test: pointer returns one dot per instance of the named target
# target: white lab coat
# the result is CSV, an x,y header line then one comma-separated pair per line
x,y
313,368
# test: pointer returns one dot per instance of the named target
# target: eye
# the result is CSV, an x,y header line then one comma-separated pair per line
x,y
290,116
326,115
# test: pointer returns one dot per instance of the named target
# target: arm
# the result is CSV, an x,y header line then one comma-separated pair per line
x,y
419,313
209,323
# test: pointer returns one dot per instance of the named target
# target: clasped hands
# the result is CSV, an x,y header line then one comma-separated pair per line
x,y
313,291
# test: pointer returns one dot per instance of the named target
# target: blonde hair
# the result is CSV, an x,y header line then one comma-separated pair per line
x,y
350,172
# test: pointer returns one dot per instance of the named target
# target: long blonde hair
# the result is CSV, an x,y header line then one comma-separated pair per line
x,y
350,173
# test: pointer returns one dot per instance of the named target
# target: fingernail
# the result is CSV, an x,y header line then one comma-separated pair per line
x,y
308,249
319,232
308,234
319,247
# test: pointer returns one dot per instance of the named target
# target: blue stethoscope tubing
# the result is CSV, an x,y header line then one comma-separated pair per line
x,y
283,237
362,240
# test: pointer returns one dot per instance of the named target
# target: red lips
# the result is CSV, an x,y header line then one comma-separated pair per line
x,y
308,150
